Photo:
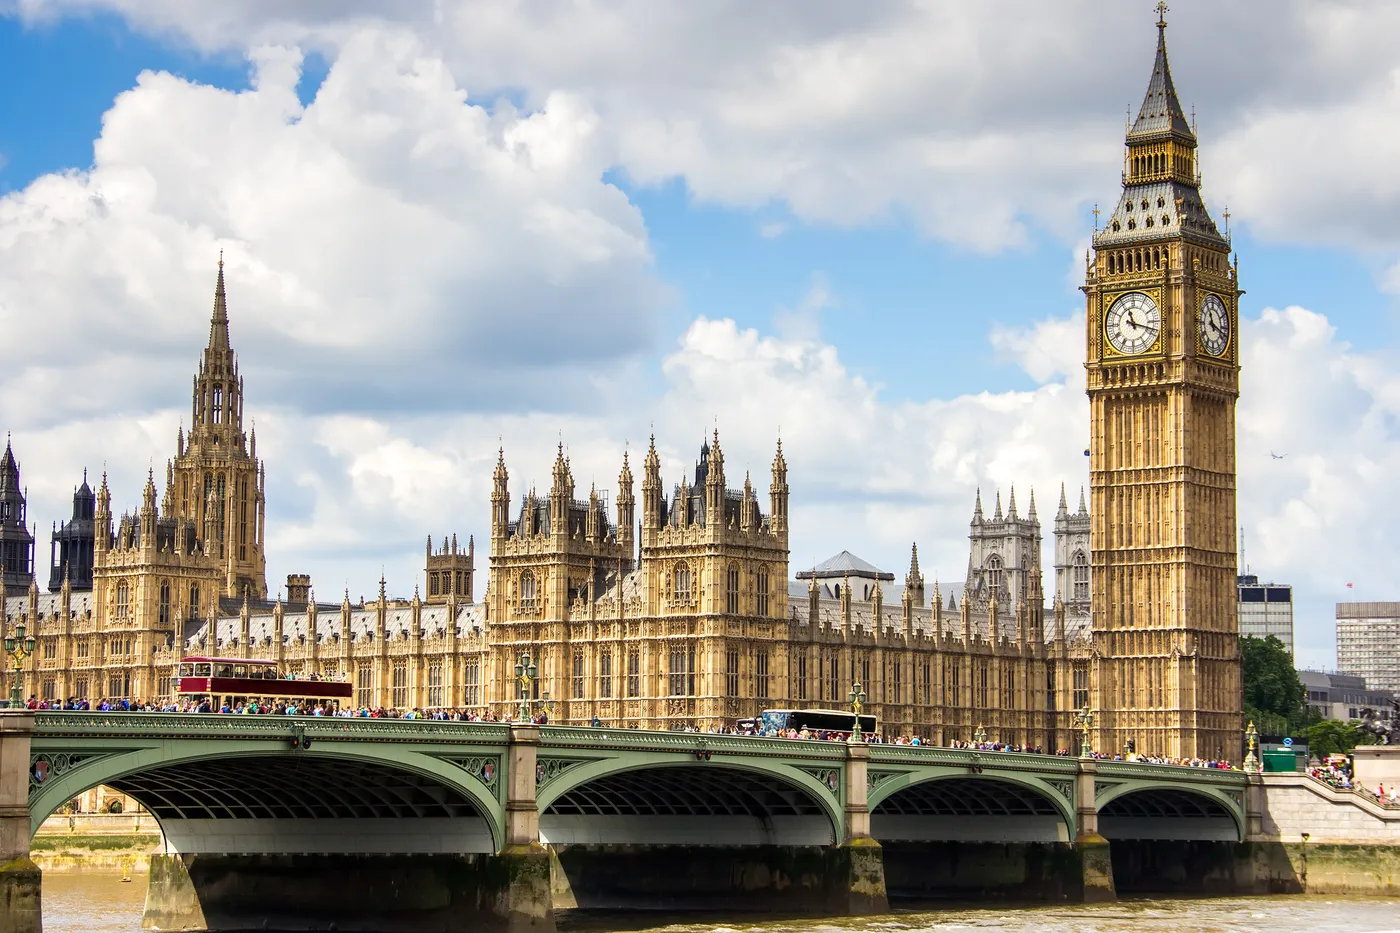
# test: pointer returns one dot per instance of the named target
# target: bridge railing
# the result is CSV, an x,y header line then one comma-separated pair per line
x,y
1140,769
214,725
937,754
586,737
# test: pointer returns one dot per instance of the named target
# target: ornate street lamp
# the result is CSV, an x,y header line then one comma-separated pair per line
x,y
526,671
857,698
1084,719
979,738
545,706
18,647
1251,761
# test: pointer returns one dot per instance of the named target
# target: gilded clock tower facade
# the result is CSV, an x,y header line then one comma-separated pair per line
x,y
1163,379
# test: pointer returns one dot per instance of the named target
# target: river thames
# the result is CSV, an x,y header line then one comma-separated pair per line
x,y
100,902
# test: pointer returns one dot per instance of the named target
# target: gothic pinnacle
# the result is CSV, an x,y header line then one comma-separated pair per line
x,y
218,323
1031,514
1064,506
1011,504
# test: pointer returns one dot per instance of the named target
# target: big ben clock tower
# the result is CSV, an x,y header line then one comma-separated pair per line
x,y
1163,378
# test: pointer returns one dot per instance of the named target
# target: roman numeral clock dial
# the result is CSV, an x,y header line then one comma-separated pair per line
x,y
1133,324
1214,326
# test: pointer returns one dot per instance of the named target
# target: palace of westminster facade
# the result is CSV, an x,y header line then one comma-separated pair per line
x,y
678,611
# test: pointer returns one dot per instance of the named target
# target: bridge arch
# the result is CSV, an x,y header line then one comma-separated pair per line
x,y
955,805
666,800
1163,811
324,799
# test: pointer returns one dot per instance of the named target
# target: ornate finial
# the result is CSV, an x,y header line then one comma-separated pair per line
x,y
1162,9
221,257
1096,216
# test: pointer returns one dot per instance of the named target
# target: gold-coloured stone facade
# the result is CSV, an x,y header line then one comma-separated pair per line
x,y
1163,378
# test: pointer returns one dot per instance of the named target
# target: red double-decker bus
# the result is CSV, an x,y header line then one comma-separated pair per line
x,y
245,678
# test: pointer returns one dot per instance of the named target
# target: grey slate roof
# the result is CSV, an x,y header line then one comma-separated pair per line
x,y
50,604
1161,109
1180,204
397,624
842,565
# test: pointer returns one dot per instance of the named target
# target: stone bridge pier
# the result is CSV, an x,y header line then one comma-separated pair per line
x,y
20,903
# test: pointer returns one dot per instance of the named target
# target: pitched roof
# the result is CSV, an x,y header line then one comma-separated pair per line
x,y
843,565
1161,109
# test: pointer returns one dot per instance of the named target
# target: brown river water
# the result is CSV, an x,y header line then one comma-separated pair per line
x,y
99,902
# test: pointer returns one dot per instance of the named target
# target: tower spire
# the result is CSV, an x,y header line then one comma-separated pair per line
x,y
1161,110
218,324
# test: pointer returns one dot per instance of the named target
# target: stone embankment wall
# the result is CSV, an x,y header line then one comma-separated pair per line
x,y
105,841
1294,804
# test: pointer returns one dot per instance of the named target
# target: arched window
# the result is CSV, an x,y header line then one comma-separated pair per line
x,y
432,584
683,582
529,601
164,613
218,404
1081,576
762,587
194,602
731,590
123,599
994,573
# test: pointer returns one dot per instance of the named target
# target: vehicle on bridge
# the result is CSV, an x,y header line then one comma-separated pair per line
x,y
777,721
232,679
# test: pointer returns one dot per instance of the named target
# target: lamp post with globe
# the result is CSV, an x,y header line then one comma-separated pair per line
x,y
19,645
1085,720
857,698
526,671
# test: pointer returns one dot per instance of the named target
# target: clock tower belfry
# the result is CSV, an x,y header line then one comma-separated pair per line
x,y
1163,378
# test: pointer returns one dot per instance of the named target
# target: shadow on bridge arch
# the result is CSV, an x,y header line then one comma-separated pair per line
x,y
963,807
1169,812
728,802
233,800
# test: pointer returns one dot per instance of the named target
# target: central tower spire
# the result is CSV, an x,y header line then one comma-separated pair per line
x,y
218,324
216,479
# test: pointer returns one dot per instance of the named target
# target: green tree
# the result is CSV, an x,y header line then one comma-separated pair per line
x,y
1274,697
1333,737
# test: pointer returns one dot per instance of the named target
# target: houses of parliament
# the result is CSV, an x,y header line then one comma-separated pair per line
x,y
678,608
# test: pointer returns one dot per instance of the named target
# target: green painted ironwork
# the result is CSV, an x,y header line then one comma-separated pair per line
x,y
72,751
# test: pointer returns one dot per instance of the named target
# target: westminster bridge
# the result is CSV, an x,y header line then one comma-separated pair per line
x,y
377,824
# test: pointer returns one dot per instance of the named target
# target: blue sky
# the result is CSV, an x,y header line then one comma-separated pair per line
x,y
907,226
898,298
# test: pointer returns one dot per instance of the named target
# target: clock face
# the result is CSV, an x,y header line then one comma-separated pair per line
x,y
1213,325
1133,323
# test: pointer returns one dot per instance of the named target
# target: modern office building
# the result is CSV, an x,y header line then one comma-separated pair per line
x,y
1368,642
1265,609
1342,696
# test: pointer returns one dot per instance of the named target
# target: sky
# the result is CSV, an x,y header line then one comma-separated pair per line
x,y
449,227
